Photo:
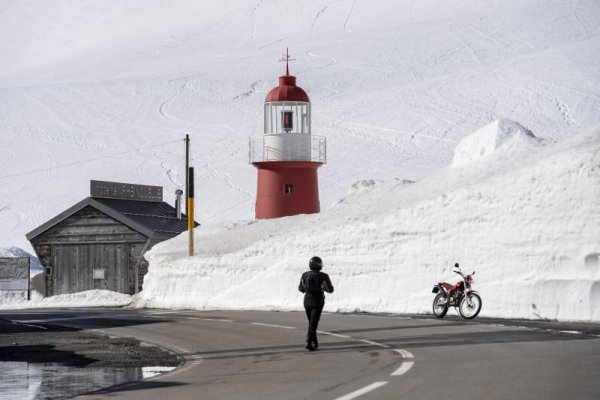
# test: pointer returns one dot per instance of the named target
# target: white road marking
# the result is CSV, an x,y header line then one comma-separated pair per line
x,y
273,326
362,391
217,319
404,367
372,343
404,353
335,334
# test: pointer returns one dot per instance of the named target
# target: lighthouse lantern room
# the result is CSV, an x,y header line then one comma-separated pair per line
x,y
287,156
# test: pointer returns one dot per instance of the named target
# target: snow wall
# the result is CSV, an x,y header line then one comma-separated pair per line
x,y
524,213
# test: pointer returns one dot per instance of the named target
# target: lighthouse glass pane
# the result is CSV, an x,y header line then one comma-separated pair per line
x,y
287,117
288,124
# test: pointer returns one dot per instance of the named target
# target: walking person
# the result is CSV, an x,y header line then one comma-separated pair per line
x,y
313,284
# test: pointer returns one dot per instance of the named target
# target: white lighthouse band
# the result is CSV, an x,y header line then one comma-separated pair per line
x,y
288,147
287,128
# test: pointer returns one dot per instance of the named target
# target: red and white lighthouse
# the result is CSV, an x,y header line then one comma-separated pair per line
x,y
287,156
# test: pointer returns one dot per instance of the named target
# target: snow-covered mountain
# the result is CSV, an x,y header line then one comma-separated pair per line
x,y
107,90
36,266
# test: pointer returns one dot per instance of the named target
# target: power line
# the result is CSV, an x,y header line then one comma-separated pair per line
x,y
34,171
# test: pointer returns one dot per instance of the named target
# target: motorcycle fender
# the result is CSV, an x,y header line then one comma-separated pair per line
x,y
472,291
438,288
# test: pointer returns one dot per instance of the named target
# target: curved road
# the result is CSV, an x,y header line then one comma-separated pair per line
x,y
260,355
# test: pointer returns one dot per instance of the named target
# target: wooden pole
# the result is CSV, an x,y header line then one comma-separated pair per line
x,y
190,215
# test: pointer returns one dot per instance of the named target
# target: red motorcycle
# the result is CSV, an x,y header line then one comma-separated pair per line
x,y
460,295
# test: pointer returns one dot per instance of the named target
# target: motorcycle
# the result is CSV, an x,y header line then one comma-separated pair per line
x,y
460,295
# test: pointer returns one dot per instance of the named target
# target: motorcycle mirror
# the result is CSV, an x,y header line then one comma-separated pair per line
x,y
473,273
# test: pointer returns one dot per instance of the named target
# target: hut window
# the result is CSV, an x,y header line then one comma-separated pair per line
x,y
48,271
287,188
99,273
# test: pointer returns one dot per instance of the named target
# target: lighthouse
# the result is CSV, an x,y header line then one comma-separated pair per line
x,y
287,155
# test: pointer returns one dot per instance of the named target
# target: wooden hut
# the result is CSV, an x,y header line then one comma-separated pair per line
x,y
99,242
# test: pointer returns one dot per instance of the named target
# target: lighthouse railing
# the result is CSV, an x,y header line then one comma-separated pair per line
x,y
288,147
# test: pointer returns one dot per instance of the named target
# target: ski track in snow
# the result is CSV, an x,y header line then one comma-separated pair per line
x,y
347,20
254,10
253,87
163,113
49,136
563,109
319,13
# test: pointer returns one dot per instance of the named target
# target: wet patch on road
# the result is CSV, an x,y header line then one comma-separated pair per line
x,y
47,361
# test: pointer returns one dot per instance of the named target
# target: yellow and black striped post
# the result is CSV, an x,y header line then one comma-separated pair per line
x,y
190,209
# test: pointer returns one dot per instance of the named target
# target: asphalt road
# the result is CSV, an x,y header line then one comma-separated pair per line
x,y
261,355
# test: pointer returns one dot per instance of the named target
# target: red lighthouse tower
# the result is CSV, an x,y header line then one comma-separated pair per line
x,y
287,156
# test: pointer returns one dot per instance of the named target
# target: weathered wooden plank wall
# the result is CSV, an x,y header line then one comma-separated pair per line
x,y
88,240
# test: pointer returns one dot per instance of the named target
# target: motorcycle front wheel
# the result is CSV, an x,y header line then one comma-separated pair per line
x,y
440,305
470,306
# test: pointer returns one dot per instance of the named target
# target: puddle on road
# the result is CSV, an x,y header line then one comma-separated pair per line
x,y
25,381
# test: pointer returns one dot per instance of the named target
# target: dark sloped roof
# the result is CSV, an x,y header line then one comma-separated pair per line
x,y
152,219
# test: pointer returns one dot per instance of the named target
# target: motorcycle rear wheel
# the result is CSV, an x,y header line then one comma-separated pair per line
x,y
440,305
470,306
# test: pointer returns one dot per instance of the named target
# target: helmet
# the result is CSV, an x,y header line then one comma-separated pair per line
x,y
315,263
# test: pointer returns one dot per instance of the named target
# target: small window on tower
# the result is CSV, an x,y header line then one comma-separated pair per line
x,y
287,120
287,188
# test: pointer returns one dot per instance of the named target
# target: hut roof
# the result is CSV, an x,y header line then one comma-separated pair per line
x,y
157,220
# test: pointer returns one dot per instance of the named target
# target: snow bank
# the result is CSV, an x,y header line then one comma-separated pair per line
x,y
529,225
502,135
90,298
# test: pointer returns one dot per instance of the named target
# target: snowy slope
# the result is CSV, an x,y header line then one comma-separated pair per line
x,y
394,88
525,217
107,90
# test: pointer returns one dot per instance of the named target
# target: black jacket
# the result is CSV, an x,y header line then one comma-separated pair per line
x,y
324,283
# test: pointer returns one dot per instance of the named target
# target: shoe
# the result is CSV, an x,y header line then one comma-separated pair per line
x,y
310,346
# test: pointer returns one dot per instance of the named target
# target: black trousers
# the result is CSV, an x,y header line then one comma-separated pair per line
x,y
313,313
